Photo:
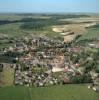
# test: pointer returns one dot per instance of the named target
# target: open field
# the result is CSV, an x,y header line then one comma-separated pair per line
x,y
92,33
68,92
82,20
21,25
13,25
7,76
80,26
25,24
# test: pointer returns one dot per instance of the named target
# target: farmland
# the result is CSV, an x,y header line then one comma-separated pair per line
x,y
91,34
49,25
7,76
68,92
27,24
32,45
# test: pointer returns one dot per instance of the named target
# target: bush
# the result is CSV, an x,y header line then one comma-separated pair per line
x,y
81,79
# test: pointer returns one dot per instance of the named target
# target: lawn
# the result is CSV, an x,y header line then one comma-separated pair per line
x,y
67,92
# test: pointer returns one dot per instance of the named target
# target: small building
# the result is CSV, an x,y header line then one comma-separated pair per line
x,y
96,88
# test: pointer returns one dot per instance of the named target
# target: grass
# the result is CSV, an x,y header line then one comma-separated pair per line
x,y
14,30
7,76
91,34
68,92
3,45
94,50
10,17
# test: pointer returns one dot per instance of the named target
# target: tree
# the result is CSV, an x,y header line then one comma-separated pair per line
x,y
97,69
81,79
1,67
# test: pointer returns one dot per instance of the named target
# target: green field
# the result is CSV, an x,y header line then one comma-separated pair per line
x,y
68,92
92,33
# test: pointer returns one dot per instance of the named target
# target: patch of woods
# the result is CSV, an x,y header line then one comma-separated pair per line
x,y
89,61
86,78
28,22
54,15
40,24
9,57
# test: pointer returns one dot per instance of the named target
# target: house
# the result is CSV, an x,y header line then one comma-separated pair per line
x,y
57,69
96,88
93,74
94,45
96,81
81,70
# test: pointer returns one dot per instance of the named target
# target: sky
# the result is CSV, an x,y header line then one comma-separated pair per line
x,y
52,6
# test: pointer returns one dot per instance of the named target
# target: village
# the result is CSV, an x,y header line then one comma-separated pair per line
x,y
40,61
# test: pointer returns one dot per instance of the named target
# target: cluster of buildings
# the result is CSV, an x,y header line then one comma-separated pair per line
x,y
45,61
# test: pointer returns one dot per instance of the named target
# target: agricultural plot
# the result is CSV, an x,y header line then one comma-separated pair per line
x,y
90,35
7,76
68,92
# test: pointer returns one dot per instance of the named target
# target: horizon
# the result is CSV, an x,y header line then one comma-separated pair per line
x,y
60,13
49,6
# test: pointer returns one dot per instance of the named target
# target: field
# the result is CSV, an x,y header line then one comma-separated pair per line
x,y
47,25
68,92
50,25
27,25
7,76
88,28
91,34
